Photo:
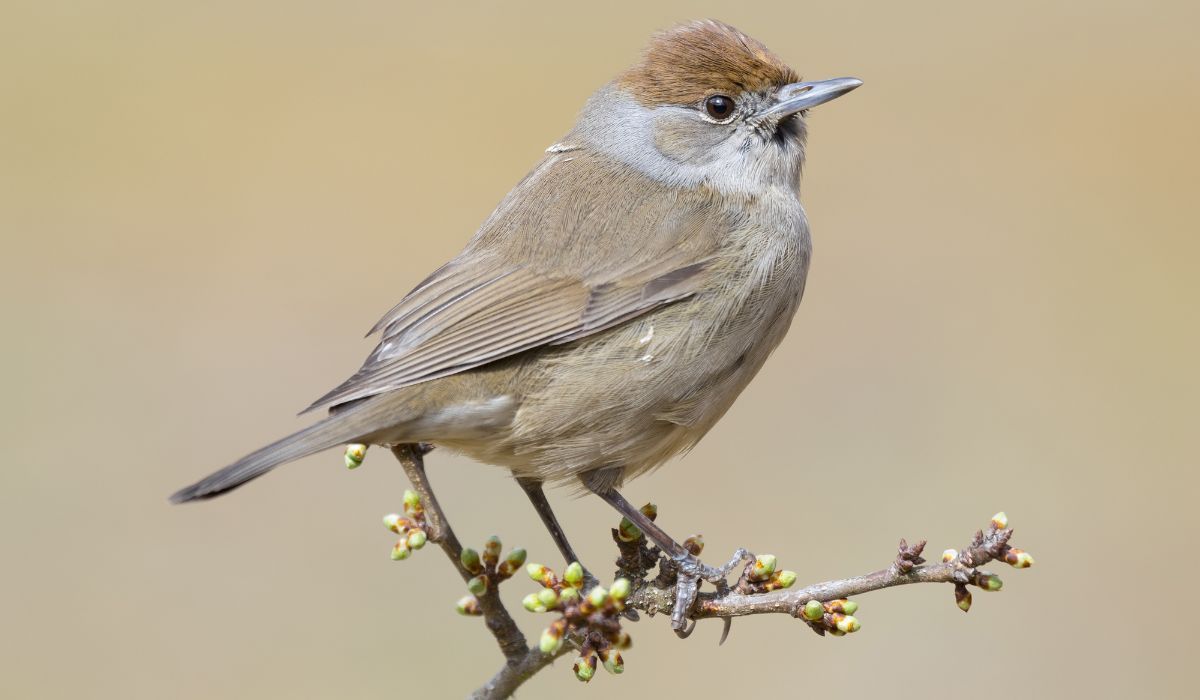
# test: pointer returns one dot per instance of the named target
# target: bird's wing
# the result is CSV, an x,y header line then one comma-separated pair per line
x,y
512,290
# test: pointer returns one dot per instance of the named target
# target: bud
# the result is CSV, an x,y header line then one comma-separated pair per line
x,y
532,603
400,551
541,574
784,579
355,455
620,590
962,598
478,585
949,555
613,663
491,551
627,531
412,502
763,567
597,596
845,623
469,606
395,523
850,607
813,610
585,667
470,560
990,582
694,545
515,560
568,594
551,640
416,539
623,640
1018,558
548,598
574,574
1000,520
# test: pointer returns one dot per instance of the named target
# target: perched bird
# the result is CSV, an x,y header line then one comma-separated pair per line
x,y
616,302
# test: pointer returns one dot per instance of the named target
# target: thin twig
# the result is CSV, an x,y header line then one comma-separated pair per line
x,y
512,643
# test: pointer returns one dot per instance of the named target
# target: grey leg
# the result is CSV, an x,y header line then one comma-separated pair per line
x,y
691,569
537,497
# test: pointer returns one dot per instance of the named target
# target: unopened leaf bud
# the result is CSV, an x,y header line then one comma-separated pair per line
x,y
585,667
470,560
574,574
813,610
478,585
763,567
1018,558
613,663
620,590
417,539
1000,520
532,603
949,555
491,551
400,551
694,545
355,454
469,606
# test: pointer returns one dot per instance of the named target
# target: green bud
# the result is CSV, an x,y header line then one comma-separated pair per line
x,y
597,596
574,574
470,560
785,578
417,538
813,610
1000,520
962,598
850,607
400,551
491,551
541,574
627,531
478,585
469,606
990,582
846,623
394,522
515,560
550,641
547,597
412,500
532,603
585,668
1018,558
620,590
355,454
613,663
764,566
569,594
650,511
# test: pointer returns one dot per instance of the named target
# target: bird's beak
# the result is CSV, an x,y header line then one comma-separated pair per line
x,y
795,97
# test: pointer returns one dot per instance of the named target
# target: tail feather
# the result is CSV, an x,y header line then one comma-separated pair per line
x,y
342,427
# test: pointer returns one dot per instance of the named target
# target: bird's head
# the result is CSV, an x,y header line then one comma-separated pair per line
x,y
707,104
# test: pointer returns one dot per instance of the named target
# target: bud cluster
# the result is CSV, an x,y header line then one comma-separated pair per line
x,y
761,576
987,545
410,526
835,617
487,571
637,555
592,618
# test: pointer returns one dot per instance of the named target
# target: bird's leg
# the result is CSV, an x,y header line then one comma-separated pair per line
x,y
533,489
690,569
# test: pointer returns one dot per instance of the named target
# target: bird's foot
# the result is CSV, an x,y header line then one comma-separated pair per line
x,y
689,572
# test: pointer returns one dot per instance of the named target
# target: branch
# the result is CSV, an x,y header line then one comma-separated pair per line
x,y
499,622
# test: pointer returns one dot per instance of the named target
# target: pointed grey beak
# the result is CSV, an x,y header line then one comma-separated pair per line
x,y
798,96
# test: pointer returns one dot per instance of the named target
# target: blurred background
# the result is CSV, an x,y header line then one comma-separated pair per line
x,y
205,205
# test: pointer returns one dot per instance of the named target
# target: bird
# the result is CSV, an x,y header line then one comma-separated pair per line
x,y
617,301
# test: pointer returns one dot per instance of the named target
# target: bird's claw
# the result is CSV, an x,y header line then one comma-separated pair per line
x,y
690,572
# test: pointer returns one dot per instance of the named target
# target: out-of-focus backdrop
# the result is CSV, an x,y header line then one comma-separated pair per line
x,y
204,205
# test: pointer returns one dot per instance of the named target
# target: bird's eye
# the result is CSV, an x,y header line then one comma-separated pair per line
x,y
719,107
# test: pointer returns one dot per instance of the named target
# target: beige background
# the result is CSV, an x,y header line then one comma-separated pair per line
x,y
204,205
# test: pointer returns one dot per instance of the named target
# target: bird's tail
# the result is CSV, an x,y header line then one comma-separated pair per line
x,y
342,427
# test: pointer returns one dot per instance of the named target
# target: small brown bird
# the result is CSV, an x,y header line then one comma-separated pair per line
x,y
617,301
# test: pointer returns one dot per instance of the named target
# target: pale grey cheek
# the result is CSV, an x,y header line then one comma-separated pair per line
x,y
686,139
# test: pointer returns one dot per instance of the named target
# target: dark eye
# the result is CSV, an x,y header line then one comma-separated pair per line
x,y
719,106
